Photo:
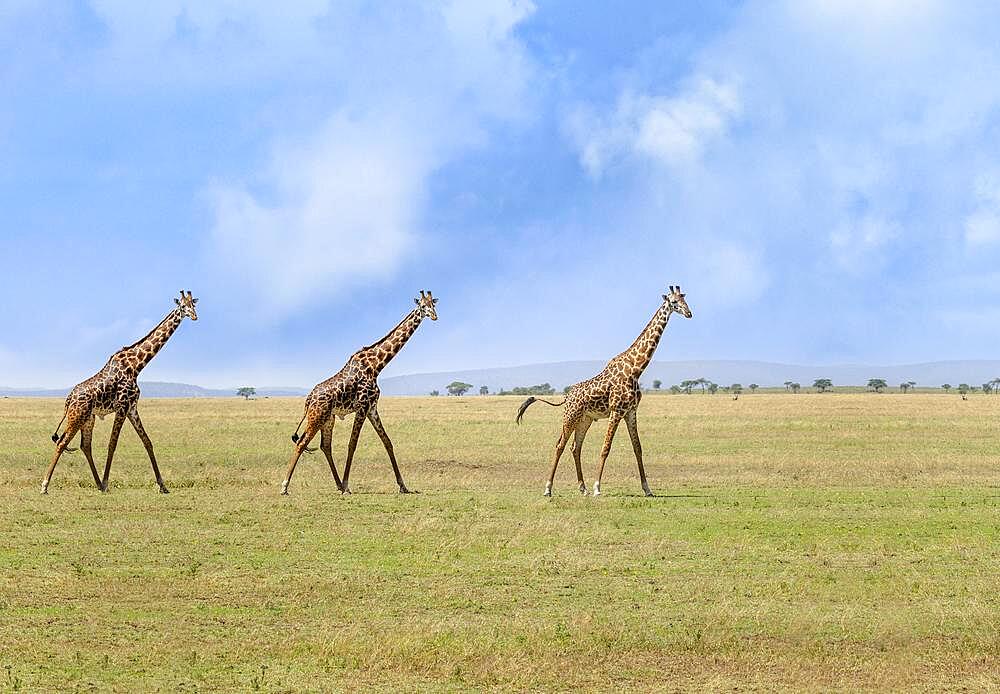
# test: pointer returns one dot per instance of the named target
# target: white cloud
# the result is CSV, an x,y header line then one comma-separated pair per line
x,y
669,130
739,275
346,208
982,225
857,243
343,205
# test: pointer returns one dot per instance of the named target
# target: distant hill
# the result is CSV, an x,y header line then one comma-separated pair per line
x,y
723,372
159,389
561,374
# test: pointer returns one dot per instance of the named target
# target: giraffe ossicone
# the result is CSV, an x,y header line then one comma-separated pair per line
x,y
115,389
354,390
613,394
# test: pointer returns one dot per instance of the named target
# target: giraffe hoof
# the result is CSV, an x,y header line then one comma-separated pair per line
x,y
648,492
164,490
345,490
404,490
45,490
547,493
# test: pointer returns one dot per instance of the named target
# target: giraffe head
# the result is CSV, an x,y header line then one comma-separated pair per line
x,y
675,301
186,304
425,305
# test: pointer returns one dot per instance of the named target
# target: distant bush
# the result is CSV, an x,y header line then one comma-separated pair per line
x,y
540,389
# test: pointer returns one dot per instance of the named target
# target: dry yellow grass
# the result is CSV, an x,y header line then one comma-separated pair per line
x,y
808,542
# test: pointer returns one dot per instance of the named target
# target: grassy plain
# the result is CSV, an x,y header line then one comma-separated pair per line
x,y
804,541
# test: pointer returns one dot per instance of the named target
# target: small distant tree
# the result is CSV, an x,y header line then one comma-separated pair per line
x,y
540,389
877,384
788,385
458,388
736,388
713,388
822,384
657,383
566,389
686,386
246,392
675,389
946,387
988,387
753,387
904,386
483,390
796,387
963,388
435,393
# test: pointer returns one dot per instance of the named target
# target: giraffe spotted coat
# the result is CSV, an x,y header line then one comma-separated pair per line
x,y
354,390
115,390
613,394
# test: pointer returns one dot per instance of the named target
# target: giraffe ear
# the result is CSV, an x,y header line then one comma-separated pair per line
x,y
665,297
416,301
177,301
434,301
194,301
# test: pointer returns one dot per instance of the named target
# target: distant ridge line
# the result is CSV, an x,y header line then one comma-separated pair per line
x,y
560,374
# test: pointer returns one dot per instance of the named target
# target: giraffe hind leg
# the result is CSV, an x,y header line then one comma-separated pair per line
x,y
72,427
300,447
560,447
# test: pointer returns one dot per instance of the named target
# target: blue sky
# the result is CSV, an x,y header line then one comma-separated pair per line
x,y
821,177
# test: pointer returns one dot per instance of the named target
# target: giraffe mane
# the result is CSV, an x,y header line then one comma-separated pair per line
x,y
144,337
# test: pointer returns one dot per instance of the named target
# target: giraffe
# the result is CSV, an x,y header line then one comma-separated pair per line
x,y
355,389
614,393
115,389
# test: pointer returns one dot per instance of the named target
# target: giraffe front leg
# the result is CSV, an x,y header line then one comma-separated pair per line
x,y
326,444
560,447
633,432
86,438
359,421
615,419
133,417
380,430
112,445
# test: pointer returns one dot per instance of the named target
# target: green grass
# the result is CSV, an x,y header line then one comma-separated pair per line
x,y
809,542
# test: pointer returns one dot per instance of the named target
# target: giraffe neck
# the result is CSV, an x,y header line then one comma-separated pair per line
x,y
135,357
637,357
382,352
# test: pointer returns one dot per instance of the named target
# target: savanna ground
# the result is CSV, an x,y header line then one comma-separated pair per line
x,y
797,541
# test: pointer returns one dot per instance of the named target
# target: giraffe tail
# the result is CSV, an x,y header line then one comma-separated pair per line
x,y
295,436
55,436
527,403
